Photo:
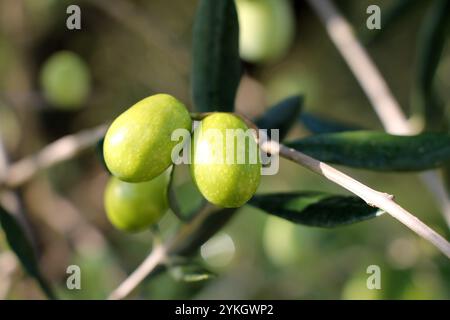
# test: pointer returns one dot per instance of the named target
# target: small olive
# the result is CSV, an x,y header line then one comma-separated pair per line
x,y
134,207
65,80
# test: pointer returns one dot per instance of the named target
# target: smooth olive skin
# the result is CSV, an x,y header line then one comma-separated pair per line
x,y
223,184
133,207
65,80
138,143
267,29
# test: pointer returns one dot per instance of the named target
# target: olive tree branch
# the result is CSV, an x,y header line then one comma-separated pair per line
x,y
376,89
372,197
384,201
69,146
60,150
375,198
160,253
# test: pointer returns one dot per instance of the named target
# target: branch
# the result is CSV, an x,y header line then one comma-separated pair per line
x,y
60,150
69,146
377,91
160,253
372,197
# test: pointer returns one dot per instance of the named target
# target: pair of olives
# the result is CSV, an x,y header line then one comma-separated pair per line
x,y
138,152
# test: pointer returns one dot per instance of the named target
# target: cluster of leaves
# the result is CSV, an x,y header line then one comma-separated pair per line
x,y
216,74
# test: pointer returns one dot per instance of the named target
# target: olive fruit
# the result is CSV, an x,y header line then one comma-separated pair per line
x,y
133,207
65,80
138,143
227,174
266,29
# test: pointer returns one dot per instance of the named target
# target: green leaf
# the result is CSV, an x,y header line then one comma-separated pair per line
x,y
216,66
318,124
377,150
431,43
282,116
315,209
20,244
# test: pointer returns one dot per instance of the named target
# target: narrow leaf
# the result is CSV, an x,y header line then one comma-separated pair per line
x,y
377,150
315,209
318,124
282,116
216,64
20,244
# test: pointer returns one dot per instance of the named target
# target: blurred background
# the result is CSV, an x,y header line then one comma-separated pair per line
x,y
129,49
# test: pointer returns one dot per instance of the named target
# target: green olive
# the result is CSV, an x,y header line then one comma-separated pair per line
x,y
134,207
65,80
138,144
266,29
223,182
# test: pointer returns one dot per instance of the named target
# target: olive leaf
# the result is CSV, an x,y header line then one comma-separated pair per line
x,y
20,244
216,66
318,124
431,43
315,209
377,150
281,116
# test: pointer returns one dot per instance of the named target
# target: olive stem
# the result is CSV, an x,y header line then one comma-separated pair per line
x,y
376,89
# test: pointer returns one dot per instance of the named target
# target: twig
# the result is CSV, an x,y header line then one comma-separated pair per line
x,y
57,151
160,253
372,197
71,145
371,81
